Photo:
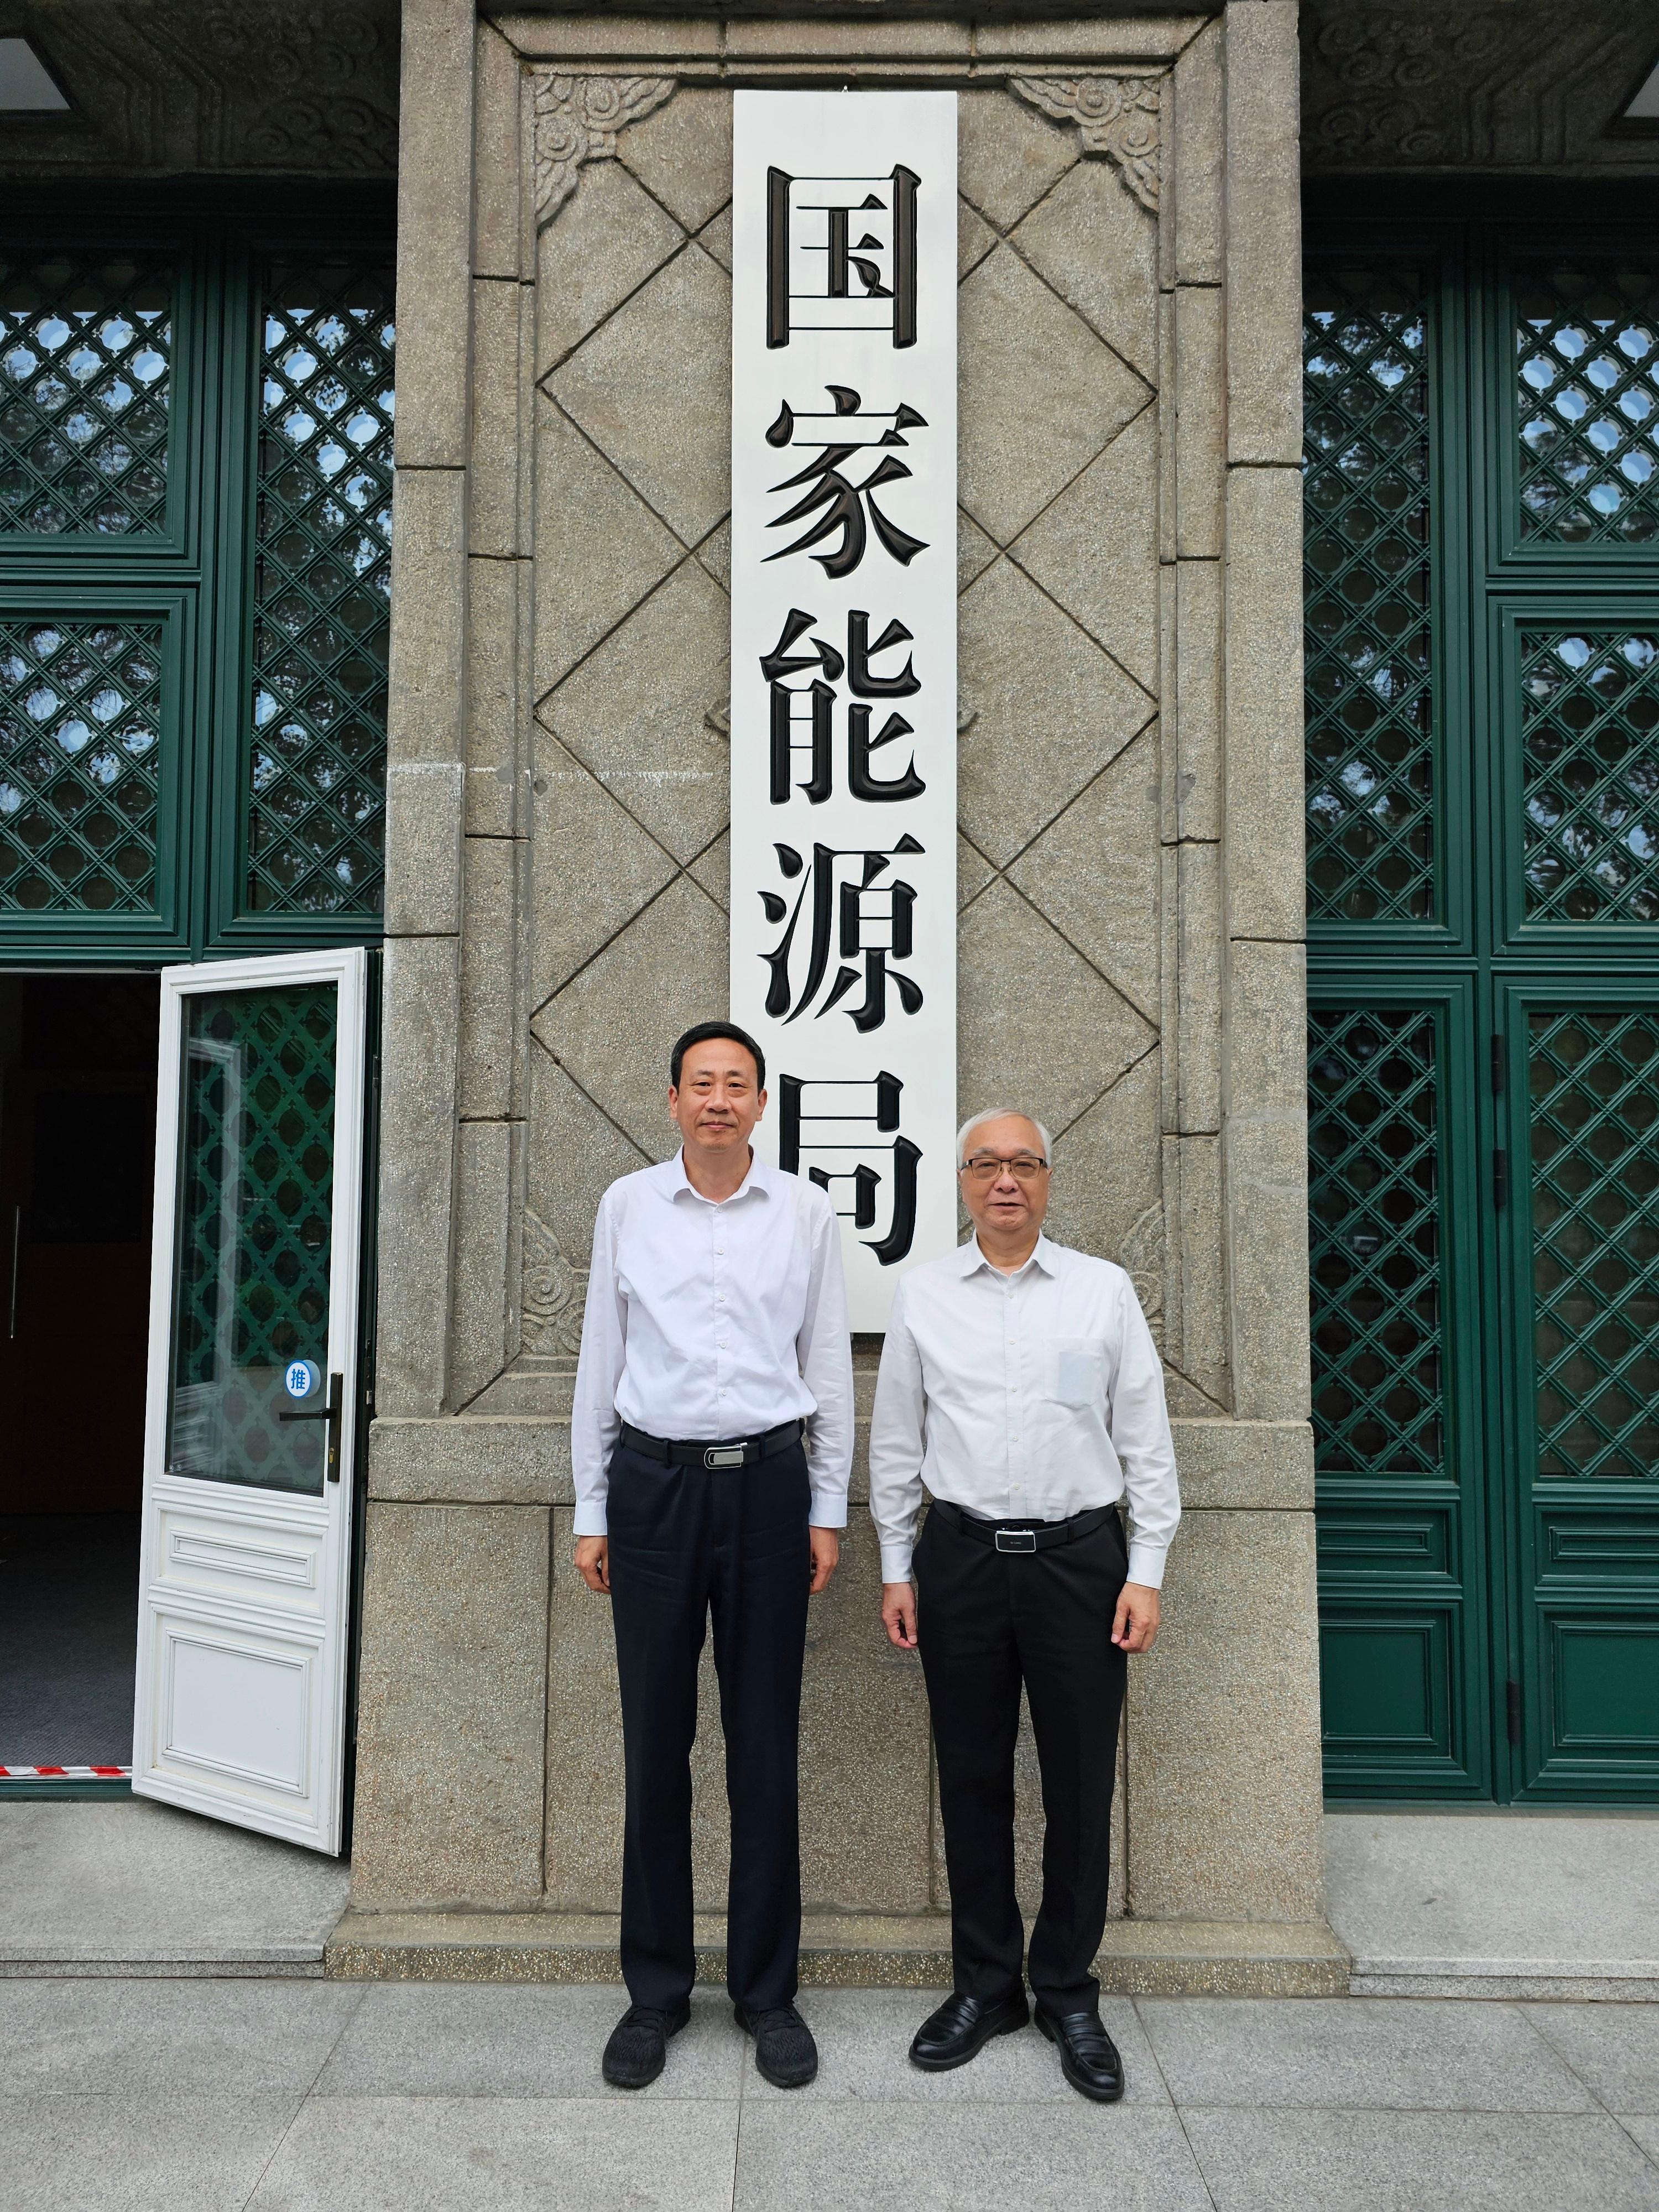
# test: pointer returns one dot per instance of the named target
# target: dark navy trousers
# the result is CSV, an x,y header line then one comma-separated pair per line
x,y
989,1623
687,1543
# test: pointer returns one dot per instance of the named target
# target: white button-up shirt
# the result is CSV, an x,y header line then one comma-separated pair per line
x,y
1034,1395
717,1319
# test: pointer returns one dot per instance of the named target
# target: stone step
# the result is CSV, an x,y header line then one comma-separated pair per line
x,y
1138,1958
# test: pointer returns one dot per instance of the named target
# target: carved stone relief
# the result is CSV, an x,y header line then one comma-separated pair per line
x,y
577,120
1117,120
271,86
1421,85
553,1294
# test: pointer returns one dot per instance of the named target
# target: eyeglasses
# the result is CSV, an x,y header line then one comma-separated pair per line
x,y
985,1167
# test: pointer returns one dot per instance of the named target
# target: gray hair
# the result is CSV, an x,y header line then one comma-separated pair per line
x,y
997,1114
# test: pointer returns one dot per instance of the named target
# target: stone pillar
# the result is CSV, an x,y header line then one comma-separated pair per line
x,y
1130,954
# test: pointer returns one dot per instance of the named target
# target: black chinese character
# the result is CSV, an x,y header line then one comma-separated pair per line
x,y
819,276
828,1136
854,912
802,715
831,498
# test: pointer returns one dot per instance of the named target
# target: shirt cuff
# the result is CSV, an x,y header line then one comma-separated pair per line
x,y
896,1562
589,1518
1147,1564
829,1508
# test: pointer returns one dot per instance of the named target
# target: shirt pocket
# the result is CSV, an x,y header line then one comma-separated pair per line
x,y
1080,1372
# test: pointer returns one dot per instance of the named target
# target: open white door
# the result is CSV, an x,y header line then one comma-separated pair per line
x,y
245,1578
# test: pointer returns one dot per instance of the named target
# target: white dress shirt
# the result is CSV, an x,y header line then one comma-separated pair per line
x,y
715,1318
1038,1394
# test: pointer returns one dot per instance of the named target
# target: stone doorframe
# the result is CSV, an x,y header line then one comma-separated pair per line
x,y
1131,933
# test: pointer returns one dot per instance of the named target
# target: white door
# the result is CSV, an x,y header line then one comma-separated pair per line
x,y
245,1578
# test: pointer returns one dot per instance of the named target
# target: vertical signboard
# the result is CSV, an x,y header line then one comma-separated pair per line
x,y
844,655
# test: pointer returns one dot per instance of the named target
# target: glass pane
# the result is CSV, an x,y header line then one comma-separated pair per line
x,y
1593,1079
322,582
1589,750
1374,1237
256,1183
1587,355
1370,647
80,764
86,343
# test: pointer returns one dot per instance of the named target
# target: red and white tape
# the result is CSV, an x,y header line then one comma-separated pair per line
x,y
65,1773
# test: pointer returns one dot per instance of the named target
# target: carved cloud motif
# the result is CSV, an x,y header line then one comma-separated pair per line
x,y
1116,118
577,120
1142,1257
552,1294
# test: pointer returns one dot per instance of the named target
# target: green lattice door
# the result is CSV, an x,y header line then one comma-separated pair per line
x,y
253,1396
1482,489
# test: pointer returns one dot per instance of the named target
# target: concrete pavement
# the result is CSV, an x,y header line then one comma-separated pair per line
x,y
294,2095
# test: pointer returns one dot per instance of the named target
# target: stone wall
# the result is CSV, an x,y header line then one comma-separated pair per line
x,y
1130,938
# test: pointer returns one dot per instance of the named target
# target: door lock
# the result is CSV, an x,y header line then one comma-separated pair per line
x,y
330,1412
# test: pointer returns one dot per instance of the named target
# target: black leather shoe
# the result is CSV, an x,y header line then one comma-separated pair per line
x,y
1087,2056
784,2049
638,2049
961,2027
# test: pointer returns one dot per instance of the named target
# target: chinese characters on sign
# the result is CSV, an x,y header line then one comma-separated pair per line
x,y
844,655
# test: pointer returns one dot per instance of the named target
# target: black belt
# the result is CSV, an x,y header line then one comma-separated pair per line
x,y
737,1451
1025,1535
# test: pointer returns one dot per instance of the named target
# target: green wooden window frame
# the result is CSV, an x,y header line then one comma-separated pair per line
x,y
271,550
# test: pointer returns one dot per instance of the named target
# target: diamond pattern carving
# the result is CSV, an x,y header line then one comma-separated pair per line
x,y
651,388
599,550
1016,335
635,712
1016,769
86,346
1593,1078
613,1024
632,766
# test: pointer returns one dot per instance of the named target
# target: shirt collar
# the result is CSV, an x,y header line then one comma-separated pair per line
x,y
677,1183
970,1259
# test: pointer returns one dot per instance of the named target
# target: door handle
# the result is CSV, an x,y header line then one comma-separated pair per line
x,y
330,1412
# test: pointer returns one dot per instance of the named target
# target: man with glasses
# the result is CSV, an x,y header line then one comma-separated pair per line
x,y
714,1349
1020,1385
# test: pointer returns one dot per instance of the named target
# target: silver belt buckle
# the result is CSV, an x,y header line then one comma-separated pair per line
x,y
1015,1540
724,1455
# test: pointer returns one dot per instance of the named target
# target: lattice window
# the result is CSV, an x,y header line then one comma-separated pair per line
x,y
86,342
255,1230
317,775
1370,676
1374,1233
1590,751
1593,1083
1586,350
80,764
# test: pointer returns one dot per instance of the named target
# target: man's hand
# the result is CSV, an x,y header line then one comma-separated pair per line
x,y
1136,1623
826,1557
898,1614
594,1562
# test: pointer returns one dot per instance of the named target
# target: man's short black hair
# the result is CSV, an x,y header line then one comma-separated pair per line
x,y
706,1033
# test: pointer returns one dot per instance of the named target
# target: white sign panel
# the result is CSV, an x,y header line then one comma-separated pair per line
x,y
844,655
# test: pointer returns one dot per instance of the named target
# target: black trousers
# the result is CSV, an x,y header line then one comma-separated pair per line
x,y
987,1621
686,1541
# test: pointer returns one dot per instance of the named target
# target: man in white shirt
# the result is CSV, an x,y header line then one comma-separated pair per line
x,y
1019,1383
715,1344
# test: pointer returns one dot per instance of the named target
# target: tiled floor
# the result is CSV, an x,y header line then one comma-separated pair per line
x,y
306,2096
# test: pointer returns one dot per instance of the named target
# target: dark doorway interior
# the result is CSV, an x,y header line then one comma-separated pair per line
x,y
77,1118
